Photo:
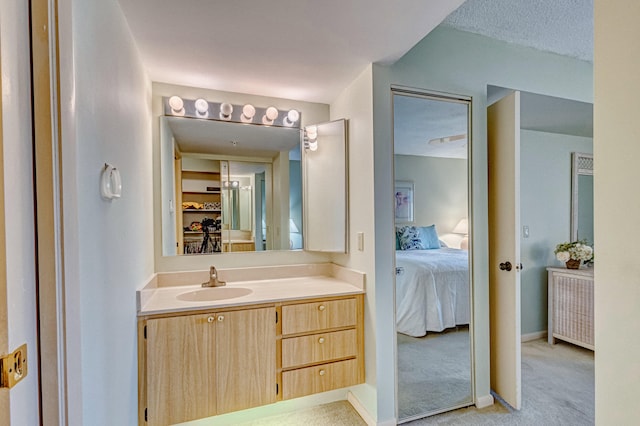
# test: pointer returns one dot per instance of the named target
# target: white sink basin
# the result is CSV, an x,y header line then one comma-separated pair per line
x,y
213,293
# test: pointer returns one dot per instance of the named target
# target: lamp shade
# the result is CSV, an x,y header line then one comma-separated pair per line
x,y
462,227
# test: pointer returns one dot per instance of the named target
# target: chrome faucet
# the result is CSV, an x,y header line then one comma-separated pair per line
x,y
213,279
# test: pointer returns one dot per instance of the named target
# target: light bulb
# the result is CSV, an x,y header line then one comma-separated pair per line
x,y
225,111
270,114
176,104
292,116
312,132
248,111
202,107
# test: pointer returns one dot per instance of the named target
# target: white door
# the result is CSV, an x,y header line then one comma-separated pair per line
x,y
503,130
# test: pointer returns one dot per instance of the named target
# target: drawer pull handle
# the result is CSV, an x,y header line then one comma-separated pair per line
x,y
220,318
321,308
322,372
321,340
210,319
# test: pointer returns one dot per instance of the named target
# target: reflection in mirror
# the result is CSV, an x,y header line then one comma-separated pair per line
x,y
229,187
433,284
582,197
326,187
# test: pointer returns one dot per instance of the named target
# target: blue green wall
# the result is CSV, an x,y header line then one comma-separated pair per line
x,y
457,62
545,207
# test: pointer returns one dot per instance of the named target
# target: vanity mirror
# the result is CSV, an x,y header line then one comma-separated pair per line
x,y
233,182
582,197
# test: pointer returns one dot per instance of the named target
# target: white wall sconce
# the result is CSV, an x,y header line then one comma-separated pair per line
x,y
177,105
269,116
225,111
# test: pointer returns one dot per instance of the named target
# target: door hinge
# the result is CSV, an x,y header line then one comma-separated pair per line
x,y
277,389
276,317
145,332
146,419
13,367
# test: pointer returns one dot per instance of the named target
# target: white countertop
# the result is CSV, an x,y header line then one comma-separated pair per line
x,y
164,299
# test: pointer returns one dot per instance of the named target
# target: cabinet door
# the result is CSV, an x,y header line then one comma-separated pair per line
x,y
246,359
180,369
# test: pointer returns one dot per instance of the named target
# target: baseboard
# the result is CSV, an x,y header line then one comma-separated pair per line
x,y
357,405
484,401
533,336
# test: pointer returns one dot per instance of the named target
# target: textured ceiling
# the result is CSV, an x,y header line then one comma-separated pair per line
x,y
559,26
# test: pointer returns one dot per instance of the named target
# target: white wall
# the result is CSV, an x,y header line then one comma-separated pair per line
x,y
439,189
355,103
18,205
106,117
545,207
616,153
457,62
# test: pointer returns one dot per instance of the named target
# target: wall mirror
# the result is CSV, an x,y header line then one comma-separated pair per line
x,y
432,254
229,187
582,197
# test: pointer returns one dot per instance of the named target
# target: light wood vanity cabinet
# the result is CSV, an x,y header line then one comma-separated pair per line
x,y
322,346
199,365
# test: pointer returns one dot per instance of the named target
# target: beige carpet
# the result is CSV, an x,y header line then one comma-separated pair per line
x,y
434,372
337,413
557,389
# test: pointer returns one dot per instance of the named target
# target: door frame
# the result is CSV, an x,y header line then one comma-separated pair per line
x,y
468,100
47,170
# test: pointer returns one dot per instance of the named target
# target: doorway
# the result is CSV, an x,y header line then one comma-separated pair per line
x,y
528,133
433,285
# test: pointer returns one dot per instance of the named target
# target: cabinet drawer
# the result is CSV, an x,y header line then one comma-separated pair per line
x,y
321,378
305,350
308,317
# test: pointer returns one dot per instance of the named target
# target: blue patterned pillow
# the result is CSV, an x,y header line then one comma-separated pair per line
x,y
409,237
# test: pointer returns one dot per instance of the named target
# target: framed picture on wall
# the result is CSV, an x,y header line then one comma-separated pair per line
x,y
404,201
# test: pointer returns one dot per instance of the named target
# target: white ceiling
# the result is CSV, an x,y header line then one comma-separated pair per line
x,y
418,120
297,49
559,26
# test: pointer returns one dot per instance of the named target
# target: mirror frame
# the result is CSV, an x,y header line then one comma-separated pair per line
x,y
581,164
397,90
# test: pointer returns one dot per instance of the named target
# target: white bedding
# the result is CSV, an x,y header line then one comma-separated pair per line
x,y
432,290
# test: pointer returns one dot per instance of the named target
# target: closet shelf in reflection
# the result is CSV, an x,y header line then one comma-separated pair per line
x,y
201,210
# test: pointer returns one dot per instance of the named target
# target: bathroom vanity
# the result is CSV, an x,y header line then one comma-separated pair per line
x,y
269,334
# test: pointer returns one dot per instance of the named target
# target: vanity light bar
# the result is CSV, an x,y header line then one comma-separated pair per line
x,y
224,111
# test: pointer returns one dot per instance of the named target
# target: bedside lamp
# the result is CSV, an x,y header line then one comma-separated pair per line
x,y
463,228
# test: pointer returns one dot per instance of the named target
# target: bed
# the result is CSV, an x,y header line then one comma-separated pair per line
x,y
432,290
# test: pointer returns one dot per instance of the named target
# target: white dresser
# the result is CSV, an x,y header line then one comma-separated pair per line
x,y
570,293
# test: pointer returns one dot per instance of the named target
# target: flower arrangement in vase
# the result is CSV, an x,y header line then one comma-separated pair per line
x,y
574,253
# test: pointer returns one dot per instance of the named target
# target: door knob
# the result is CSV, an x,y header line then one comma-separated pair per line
x,y
519,267
506,266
